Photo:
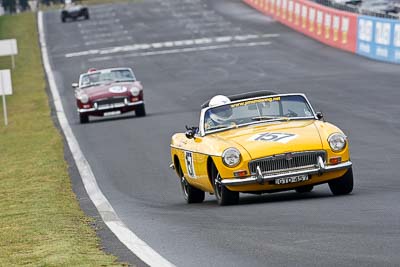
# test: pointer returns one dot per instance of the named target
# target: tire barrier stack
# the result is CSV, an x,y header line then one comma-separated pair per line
x,y
372,37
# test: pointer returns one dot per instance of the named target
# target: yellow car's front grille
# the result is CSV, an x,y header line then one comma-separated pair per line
x,y
287,162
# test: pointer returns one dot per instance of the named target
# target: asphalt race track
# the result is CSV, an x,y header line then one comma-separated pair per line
x,y
186,51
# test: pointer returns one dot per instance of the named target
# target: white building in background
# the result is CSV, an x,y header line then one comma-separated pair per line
x,y
33,5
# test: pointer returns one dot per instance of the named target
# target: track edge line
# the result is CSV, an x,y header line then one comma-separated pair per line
x,y
140,248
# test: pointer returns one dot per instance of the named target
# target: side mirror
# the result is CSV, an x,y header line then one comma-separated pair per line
x,y
320,116
190,132
75,85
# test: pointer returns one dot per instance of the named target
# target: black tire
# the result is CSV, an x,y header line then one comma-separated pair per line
x,y
342,185
190,193
225,197
87,15
304,189
62,19
83,118
140,111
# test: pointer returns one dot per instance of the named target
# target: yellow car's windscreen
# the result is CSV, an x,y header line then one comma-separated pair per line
x,y
256,110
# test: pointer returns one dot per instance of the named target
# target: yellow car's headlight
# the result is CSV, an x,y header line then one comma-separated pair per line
x,y
337,141
231,157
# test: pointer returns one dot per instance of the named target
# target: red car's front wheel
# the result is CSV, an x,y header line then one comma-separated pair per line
x,y
140,111
83,118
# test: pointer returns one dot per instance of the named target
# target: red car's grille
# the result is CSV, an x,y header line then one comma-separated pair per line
x,y
111,100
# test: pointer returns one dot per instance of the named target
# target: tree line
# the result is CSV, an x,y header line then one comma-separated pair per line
x,y
11,6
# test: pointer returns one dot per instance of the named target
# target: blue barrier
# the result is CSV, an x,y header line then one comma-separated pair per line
x,y
379,38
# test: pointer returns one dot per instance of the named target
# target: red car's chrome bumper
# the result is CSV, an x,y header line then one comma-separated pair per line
x,y
110,106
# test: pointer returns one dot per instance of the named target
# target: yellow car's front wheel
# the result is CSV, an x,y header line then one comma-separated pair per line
x,y
342,185
304,189
224,195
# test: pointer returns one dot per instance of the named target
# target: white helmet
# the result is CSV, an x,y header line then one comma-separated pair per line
x,y
218,100
220,114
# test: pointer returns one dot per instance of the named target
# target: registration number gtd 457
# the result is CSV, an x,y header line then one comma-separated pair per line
x,y
294,179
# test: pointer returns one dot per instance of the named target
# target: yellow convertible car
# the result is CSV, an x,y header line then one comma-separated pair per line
x,y
260,142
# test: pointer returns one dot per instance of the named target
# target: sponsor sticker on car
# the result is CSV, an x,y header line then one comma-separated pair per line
x,y
117,89
189,164
274,137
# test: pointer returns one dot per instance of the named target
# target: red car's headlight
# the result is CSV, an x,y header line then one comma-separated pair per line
x,y
135,91
84,98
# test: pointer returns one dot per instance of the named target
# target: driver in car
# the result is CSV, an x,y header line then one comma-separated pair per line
x,y
218,116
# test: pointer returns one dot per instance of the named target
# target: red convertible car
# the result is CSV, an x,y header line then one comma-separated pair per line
x,y
108,92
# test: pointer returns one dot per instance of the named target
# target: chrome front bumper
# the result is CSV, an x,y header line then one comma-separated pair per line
x,y
110,106
261,179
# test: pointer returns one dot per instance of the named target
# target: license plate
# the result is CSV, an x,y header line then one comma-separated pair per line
x,y
294,179
110,113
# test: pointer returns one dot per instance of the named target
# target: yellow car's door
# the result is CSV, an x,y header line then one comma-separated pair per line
x,y
194,163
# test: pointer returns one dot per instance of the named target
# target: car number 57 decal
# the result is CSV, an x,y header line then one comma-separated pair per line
x,y
189,164
274,137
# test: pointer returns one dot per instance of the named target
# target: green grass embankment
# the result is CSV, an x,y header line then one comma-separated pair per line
x,y
41,223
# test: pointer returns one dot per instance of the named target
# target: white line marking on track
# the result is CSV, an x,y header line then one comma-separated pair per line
x,y
123,233
92,30
182,50
97,23
114,34
178,43
107,41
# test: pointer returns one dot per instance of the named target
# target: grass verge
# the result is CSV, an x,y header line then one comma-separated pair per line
x,y
41,223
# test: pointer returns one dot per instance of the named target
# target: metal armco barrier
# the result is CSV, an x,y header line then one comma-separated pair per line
x,y
379,38
372,37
